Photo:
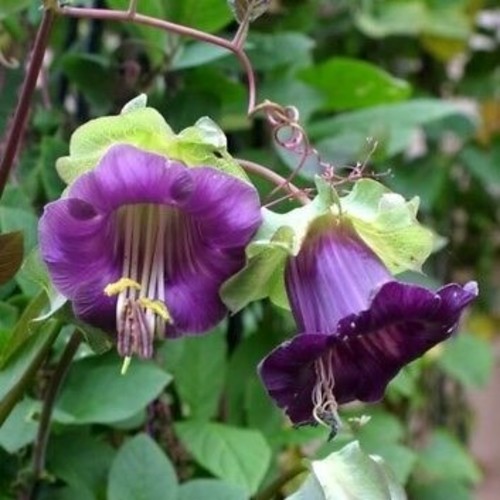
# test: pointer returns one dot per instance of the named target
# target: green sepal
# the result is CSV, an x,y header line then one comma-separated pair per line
x,y
387,223
280,236
203,144
384,220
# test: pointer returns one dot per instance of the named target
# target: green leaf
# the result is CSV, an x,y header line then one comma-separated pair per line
x,y
20,428
10,7
35,270
248,10
393,125
51,149
210,489
11,255
242,373
445,458
414,17
280,50
21,367
210,16
97,339
82,461
92,74
483,165
196,54
142,471
468,359
24,328
238,456
287,89
350,473
441,490
96,392
199,373
357,84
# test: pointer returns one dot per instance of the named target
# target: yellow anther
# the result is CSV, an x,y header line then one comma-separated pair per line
x,y
120,285
157,306
126,364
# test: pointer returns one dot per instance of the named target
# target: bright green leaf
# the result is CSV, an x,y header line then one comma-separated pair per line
x,y
468,359
238,456
24,328
10,7
80,460
96,392
393,125
142,471
350,83
415,17
20,428
22,366
441,490
199,373
210,489
210,16
445,458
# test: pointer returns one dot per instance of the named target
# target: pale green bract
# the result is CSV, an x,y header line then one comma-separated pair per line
x,y
384,220
203,144
350,473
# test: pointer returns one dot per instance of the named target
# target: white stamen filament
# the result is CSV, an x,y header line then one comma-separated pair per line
x,y
140,306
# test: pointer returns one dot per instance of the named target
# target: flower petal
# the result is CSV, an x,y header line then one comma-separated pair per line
x,y
211,218
334,275
369,348
289,376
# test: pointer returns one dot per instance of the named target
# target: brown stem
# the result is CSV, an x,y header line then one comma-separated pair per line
x,y
275,178
21,114
56,381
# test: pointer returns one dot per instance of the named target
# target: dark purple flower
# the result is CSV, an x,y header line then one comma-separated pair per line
x,y
141,245
359,326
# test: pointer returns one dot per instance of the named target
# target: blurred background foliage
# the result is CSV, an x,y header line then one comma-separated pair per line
x,y
419,77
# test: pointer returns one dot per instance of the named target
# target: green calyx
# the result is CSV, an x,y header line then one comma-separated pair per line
x,y
384,220
203,144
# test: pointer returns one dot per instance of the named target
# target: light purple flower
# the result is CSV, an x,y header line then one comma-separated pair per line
x,y
141,245
358,325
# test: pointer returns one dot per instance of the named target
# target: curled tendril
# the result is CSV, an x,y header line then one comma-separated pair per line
x,y
289,134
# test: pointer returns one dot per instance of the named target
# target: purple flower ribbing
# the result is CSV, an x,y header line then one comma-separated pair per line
x,y
141,245
358,326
